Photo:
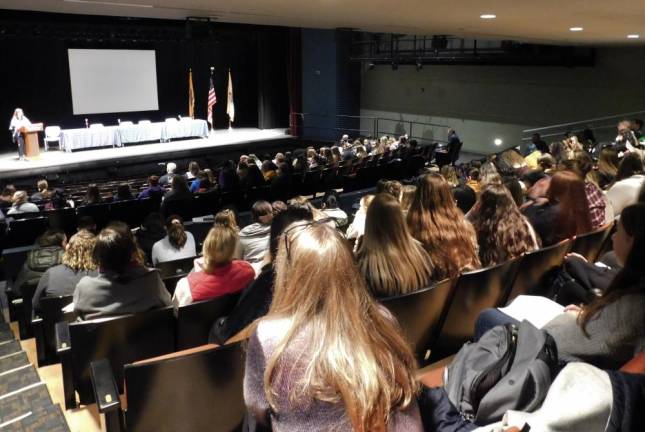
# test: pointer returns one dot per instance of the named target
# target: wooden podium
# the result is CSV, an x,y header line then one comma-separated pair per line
x,y
30,135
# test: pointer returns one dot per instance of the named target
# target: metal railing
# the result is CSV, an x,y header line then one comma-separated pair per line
x,y
334,126
603,128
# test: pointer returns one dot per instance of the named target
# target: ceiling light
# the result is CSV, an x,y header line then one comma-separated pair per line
x,y
488,16
576,29
498,141
110,3
633,36
371,65
419,65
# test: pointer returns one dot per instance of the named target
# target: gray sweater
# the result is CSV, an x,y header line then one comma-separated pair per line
x,y
307,414
59,280
616,334
138,289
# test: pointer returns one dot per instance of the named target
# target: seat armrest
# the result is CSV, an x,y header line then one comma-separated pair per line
x,y
104,386
63,340
39,335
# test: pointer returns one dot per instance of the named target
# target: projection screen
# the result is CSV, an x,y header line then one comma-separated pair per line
x,y
113,81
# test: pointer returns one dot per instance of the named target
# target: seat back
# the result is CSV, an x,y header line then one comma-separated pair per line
x,y
129,211
176,267
27,291
474,291
418,314
181,207
51,313
121,340
52,131
192,393
589,245
536,267
24,232
195,320
62,219
99,212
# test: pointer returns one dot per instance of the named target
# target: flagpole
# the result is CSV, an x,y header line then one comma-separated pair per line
x,y
212,131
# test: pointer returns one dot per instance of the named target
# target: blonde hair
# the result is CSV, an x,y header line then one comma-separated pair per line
x,y
78,254
219,246
391,260
19,197
227,218
407,196
355,354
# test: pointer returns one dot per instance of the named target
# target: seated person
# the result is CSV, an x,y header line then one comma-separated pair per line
x,y
48,253
330,208
21,205
77,262
217,273
43,193
326,357
611,329
177,244
254,238
123,285
154,190
151,231
256,299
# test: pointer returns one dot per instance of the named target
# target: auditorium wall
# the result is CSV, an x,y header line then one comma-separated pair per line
x,y
488,102
35,74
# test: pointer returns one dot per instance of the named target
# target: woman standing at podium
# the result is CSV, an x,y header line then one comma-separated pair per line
x,y
18,121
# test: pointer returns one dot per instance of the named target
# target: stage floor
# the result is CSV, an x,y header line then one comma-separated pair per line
x,y
10,166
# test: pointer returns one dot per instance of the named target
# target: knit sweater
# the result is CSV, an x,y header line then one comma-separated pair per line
x,y
616,334
306,414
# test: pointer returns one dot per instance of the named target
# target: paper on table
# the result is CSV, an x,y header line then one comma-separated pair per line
x,y
535,309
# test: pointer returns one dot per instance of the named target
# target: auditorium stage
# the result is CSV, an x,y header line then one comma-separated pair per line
x,y
56,160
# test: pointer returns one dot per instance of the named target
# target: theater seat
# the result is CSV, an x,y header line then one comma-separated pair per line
x,y
189,391
44,323
473,292
195,320
589,245
419,313
121,340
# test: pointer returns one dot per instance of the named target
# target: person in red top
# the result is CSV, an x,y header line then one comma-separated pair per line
x,y
217,273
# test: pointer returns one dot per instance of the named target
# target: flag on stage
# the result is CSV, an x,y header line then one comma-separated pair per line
x,y
191,95
230,105
212,100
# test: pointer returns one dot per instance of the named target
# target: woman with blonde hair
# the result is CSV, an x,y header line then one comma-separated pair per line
x,y
326,356
77,262
216,273
391,260
435,220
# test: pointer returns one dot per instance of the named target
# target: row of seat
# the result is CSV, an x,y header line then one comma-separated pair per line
x,y
440,318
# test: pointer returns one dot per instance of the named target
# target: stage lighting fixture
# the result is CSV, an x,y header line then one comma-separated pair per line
x,y
371,65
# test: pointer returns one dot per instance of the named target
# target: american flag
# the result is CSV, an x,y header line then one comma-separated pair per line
x,y
212,99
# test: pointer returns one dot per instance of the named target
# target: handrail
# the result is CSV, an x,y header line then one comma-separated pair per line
x,y
584,121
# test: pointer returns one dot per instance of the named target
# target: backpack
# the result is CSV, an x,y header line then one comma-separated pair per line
x,y
510,368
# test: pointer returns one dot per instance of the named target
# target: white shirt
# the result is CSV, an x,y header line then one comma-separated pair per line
x,y
18,123
625,192
163,251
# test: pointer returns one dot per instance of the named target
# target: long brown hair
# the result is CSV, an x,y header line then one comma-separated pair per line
x,y
567,190
391,260
631,278
177,236
355,354
435,220
502,232
608,161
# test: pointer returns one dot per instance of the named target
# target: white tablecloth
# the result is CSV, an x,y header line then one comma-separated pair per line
x,y
116,136
72,139
186,128
140,133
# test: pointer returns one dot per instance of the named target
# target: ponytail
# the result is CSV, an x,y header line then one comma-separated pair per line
x,y
176,233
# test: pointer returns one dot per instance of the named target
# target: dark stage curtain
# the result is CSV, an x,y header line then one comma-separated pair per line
x,y
273,108
294,78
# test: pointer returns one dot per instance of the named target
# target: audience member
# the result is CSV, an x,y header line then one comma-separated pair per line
x,y
629,180
595,197
228,179
514,187
6,198
278,207
255,300
61,280
166,179
178,192
330,208
390,259
193,170
607,167
43,193
48,253
217,273
86,223
294,375
540,144
123,193
177,244
150,232
473,180
503,233
356,229
254,238
123,285
269,171
92,195
407,196
435,220
21,205
154,190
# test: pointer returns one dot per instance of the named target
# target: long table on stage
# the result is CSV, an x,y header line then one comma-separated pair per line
x,y
116,136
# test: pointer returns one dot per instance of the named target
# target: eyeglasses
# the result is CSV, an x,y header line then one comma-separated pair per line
x,y
300,228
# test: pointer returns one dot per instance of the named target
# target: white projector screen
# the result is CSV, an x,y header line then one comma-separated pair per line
x,y
113,81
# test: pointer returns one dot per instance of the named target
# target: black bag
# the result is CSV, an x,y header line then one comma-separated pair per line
x,y
510,368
